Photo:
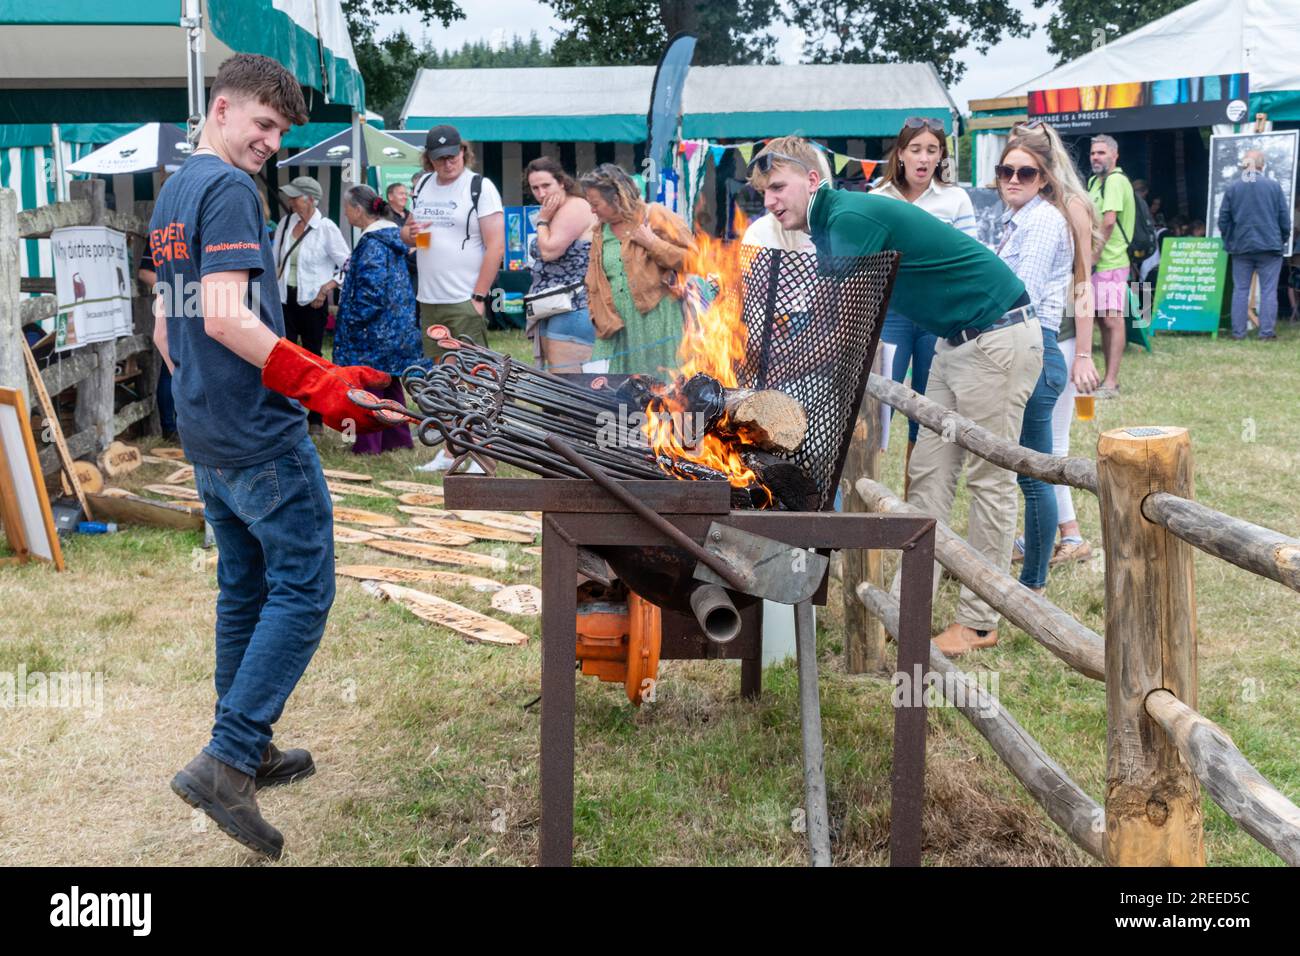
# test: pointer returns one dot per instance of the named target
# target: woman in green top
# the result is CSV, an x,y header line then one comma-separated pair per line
x,y
637,250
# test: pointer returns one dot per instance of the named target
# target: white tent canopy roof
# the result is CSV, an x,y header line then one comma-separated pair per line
x,y
1259,37
610,102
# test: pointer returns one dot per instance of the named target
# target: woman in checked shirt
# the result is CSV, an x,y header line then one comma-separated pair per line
x,y
1038,246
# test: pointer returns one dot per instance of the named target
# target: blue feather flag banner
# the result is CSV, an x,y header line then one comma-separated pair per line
x,y
666,105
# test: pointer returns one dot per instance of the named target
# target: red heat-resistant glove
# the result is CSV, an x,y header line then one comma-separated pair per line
x,y
323,386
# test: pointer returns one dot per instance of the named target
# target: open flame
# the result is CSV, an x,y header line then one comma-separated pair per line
x,y
714,342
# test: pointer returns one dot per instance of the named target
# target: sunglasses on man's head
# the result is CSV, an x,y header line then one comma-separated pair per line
x,y
763,162
916,122
1024,174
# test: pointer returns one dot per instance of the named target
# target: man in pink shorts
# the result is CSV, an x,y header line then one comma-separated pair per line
x,y
1112,194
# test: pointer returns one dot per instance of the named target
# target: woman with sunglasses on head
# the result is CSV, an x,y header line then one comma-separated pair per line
x,y
1075,336
637,248
919,171
1038,246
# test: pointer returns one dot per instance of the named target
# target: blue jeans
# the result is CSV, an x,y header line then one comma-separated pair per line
x,y
1244,265
166,404
1036,433
915,347
273,525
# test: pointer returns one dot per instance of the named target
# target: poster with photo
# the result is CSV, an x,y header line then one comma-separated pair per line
x,y
989,209
1226,156
92,285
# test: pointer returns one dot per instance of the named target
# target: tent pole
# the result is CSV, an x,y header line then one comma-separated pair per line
x,y
60,177
358,169
192,22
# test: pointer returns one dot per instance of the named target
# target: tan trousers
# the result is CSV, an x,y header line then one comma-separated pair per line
x,y
988,381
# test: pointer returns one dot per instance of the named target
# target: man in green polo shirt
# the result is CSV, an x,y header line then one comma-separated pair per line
x,y
986,363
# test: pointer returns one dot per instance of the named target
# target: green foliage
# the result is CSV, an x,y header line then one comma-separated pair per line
x,y
612,32
389,65
903,31
1080,26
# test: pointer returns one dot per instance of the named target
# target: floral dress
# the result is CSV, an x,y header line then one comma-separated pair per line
x,y
648,342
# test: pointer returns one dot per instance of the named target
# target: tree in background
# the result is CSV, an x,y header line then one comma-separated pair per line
x,y
389,65
483,53
901,31
611,32
1077,27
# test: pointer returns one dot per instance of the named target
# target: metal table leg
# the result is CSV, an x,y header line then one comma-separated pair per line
x,y
816,816
559,657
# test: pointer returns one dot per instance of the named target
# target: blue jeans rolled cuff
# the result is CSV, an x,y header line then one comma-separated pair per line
x,y
273,524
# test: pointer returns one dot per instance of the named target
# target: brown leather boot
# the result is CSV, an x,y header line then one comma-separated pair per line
x,y
229,798
283,766
958,639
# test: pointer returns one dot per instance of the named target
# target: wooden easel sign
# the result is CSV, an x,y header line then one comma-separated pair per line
x,y
24,506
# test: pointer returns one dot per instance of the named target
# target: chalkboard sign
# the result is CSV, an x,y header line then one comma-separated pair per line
x,y
1189,290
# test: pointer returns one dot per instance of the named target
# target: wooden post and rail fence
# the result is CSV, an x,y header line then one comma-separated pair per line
x,y
91,368
1160,751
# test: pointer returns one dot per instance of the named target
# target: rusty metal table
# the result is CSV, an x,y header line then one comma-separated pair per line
x,y
579,513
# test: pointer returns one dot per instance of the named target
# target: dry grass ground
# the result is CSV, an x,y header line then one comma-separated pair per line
x,y
428,755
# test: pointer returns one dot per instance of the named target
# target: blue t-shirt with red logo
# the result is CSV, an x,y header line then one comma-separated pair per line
x,y
208,218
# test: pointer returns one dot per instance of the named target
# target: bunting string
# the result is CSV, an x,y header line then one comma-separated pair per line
x,y
839,161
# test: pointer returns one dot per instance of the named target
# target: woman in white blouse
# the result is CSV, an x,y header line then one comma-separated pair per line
x,y
310,256
310,253
1038,245
920,171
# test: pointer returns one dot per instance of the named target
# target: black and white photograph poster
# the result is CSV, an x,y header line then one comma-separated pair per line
x,y
1227,156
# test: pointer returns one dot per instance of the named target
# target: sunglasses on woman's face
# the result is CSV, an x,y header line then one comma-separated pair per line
x,y
1022,174
763,162
916,122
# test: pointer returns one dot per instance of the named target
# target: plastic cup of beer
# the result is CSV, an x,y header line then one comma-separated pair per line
x,y
422,237
1085,407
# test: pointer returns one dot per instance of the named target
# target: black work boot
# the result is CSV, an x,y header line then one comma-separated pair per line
x,y
283,766
229,798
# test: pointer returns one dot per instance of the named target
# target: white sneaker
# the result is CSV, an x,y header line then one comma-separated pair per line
x,y
443,462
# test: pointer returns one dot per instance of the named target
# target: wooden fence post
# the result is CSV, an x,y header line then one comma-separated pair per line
x,y
864,635
95,393
13,369
1153,800
151,362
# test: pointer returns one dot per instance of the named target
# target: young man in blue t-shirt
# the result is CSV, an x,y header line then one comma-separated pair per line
x,y
235,378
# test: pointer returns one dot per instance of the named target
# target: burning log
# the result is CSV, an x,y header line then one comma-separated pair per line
x,y
769,419
789,484
766,418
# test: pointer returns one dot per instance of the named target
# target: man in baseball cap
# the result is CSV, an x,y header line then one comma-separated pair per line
x,y
457,226
442,141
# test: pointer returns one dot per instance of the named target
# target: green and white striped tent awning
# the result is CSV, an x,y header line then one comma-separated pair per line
x,y
29,171
121,50
609,103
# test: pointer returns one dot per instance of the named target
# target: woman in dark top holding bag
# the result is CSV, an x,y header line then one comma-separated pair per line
x,y
559,322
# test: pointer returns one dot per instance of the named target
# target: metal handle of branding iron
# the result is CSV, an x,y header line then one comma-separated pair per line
x,y
593,471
